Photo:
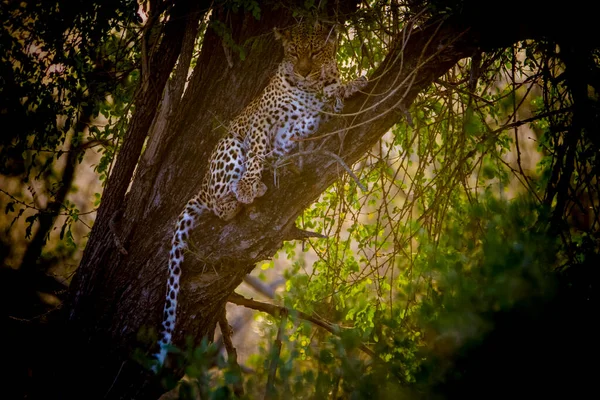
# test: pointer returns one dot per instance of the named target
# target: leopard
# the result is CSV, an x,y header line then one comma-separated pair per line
x,y
304,92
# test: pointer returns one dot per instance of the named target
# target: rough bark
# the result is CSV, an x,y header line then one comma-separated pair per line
x,y
93,288
160,67
115,295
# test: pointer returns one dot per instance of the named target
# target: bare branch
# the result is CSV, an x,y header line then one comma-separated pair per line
x,y
300,234
337,158
279,310
267,290
227,332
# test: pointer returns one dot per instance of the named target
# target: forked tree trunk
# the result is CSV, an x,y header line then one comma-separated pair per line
x,y
114,295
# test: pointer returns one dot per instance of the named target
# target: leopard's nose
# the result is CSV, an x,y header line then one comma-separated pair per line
x,y
303,67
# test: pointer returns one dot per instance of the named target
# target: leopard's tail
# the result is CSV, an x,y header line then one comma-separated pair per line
x,y
185,223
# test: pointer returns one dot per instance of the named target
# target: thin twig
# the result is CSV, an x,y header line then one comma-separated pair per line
x,y
528,120
275,353
115,380
281,160
301,234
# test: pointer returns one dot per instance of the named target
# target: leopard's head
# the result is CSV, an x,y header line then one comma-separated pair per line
x,y
309,50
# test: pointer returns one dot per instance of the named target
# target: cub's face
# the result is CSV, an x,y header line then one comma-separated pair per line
x,y
309,50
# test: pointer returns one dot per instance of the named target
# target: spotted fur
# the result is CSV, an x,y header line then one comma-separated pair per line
x,y
290,108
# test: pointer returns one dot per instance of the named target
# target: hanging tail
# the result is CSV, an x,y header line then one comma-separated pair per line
x,y
185,223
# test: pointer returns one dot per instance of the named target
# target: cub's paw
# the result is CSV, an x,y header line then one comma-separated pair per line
x,y
246,191
227,207
260,189
356,85
361,81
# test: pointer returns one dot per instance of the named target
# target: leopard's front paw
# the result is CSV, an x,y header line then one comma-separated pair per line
x,y
227,207
246,191
260,189
356,85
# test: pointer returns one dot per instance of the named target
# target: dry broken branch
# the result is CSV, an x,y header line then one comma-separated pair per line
x,y
279,310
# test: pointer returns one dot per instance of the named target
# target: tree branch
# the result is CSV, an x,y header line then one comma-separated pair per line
x,y
227,332
161,65
277,311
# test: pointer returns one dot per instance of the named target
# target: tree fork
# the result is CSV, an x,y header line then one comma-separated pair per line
x,y
92,272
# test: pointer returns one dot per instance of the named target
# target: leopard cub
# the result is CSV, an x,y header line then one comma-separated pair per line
x,y
304,89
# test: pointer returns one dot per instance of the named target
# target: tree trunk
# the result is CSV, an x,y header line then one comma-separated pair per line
x,y
114,295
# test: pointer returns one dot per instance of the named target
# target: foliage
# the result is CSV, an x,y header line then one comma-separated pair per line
x,y
455,229
69,74
57,60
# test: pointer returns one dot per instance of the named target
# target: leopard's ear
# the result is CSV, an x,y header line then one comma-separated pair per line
x,y
282,34
331,33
